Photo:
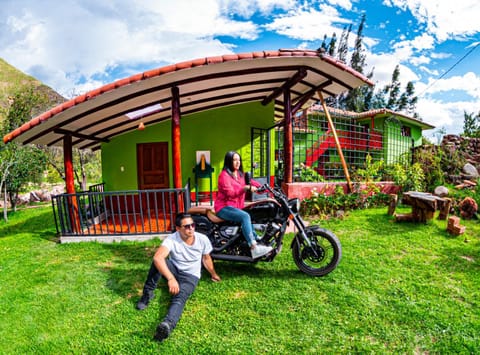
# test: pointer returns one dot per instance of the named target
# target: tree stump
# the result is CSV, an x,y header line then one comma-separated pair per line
x,y
444,209
392,204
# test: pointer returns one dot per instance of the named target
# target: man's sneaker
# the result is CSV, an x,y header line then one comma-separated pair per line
x,y
260,250
163,331
145,300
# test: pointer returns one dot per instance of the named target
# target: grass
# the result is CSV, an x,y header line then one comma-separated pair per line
x,y
400,288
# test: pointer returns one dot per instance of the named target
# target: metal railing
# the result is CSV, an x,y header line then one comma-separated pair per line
x,y
132,212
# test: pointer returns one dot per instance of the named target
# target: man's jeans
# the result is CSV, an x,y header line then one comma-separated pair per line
x,y
233,214
187,283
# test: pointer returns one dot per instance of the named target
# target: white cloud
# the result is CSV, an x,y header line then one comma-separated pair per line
x,y
440,55
445,113
428,70
444,19
384,64
417,61
422,42
77,45
345,4
469,83
307,23
40,37
247,8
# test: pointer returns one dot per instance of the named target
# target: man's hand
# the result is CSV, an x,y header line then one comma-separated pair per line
x,y
173,286
215,278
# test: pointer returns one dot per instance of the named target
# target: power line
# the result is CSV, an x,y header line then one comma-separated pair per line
x,y
450,69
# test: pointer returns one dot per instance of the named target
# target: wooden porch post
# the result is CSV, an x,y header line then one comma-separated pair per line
x,y
68,164
287,137
70,182
176,152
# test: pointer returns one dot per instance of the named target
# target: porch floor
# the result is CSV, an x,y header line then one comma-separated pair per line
x,y
130,224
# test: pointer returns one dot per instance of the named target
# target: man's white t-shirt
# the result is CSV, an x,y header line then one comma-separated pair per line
x,y
188,258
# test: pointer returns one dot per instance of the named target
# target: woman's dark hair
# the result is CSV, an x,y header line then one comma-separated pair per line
x,y
228,161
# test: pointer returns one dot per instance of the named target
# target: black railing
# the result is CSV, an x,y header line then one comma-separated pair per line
x,y
133,212
97,187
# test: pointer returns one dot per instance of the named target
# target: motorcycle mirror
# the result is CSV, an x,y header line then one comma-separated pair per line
x,y
248,177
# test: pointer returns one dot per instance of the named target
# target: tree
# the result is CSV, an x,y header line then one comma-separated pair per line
x,y
358,56
323,46
439,133
332,45
368,97
408,100
471,125
87,165
392,90
29,167
343,44
368,93
393,98
354,100
20,164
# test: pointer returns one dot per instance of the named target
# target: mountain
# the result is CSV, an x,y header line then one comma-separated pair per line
x,y
11,79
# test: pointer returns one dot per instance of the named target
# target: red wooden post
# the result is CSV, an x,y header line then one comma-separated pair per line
x,y
287,137
68,164
176,153
70,182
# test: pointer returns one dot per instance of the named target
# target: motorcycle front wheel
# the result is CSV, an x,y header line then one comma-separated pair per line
x,y
322,257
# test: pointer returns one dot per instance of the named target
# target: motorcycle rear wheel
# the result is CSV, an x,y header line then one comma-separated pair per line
x,y
322,257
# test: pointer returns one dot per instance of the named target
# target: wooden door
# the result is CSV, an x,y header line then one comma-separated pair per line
x,y
152,166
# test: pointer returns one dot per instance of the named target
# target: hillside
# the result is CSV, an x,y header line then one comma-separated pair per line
x,y
11,79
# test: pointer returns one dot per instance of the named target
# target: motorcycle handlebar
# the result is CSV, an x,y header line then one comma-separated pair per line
x,y
266,188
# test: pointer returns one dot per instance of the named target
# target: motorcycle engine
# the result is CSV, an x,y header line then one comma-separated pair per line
x,y
266,231
229,232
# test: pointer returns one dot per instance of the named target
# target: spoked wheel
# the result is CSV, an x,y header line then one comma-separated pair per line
x,y
322,257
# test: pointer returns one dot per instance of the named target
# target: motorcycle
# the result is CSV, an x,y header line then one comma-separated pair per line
x,y
316,251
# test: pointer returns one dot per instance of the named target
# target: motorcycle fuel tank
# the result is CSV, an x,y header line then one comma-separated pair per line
x,y
263,211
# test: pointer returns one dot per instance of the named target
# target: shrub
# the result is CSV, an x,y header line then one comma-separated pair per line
x,y
303,173
324,205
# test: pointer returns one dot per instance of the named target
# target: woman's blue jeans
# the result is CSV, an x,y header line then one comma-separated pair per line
x,y
233,214
187,283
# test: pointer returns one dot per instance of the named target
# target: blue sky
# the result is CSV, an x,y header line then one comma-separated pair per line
x,y
78,45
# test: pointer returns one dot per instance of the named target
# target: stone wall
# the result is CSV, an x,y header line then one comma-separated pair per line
x,y
469,148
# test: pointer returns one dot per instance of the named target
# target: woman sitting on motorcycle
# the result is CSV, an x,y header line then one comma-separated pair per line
x,y
230,200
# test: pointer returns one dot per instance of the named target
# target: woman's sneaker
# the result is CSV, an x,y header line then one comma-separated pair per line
x,y
260,250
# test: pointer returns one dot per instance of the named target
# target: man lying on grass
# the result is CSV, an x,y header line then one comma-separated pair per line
x,y
179,260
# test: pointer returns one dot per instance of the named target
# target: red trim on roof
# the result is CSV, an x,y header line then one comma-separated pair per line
x,y
175,67
370,113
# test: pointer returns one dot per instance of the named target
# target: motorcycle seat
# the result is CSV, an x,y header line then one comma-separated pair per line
x,y
199,210
206,211
213,217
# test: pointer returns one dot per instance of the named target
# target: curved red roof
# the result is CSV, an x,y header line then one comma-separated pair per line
x,y
202,83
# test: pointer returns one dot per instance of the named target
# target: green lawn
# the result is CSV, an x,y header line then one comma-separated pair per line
x,y
400,288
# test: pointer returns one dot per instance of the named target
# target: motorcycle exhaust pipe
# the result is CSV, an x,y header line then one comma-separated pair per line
x,y
225,257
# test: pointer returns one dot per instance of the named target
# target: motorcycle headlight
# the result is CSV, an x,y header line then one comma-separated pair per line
x,y
294,204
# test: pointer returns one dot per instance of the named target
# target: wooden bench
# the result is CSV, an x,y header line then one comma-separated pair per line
x,y
424,205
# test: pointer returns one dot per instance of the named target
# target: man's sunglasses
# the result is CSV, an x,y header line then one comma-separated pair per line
x,y
189,226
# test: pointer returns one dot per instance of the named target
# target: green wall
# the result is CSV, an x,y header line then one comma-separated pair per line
x,y
218,130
